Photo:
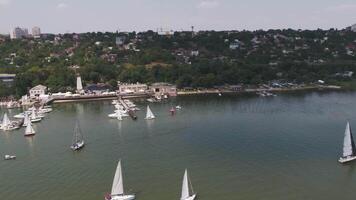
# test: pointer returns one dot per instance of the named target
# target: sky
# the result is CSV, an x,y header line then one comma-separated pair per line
x,y
67,16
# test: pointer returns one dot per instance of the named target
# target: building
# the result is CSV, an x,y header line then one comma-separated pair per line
x,y
7,79
160,89
353,28
127,88
38,91
98,88
18,33
120,40
36,32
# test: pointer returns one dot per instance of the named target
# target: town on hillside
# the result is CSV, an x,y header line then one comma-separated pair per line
x,y
190,60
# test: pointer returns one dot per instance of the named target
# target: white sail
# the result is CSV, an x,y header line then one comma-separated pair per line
x,y
5,121
349,146
119,116
33,114
29,130
26,120
185,186
149,114
117,185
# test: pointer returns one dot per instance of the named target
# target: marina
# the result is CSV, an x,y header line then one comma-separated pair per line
x,y
297,139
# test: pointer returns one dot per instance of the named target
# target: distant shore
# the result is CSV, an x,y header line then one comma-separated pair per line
x,y
254,90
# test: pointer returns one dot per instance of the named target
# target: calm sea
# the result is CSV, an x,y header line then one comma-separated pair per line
x,y
235,147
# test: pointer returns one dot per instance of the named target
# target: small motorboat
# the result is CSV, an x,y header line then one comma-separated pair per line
x,y
178,107
10,157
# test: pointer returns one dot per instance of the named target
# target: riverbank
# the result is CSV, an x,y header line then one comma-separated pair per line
x,y
254,90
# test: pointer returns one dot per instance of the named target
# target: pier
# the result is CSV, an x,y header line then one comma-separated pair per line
x,y
129,110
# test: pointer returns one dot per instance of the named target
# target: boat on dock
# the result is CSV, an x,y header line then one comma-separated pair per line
x,y
26,120
349,149
149,114
8,125
34,117
78,142
185,195
117,190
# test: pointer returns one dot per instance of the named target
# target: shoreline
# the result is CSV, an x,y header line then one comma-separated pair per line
x,y
243,91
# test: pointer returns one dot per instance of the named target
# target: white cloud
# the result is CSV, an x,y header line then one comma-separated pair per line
x,y
61,5
5,2
208,4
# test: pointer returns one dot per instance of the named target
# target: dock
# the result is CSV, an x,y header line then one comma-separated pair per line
x,y
130,111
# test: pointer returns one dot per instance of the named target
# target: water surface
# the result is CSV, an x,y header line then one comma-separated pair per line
x,y
235,147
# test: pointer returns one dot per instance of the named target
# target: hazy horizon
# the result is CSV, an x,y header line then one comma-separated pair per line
x,y
79,16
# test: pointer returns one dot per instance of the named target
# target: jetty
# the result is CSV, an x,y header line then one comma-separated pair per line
x,y
129,110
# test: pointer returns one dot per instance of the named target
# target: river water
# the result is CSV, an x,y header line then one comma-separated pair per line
x,y
234,146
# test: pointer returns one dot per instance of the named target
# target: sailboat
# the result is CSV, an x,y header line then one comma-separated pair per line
x,y
34,118
149,114
349,150
26,120
78,141
119,116
29,130
8,125
5,122
185,188
117,190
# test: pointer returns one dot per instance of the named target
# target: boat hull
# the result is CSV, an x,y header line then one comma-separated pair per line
x,y
121,197
29,135
190,198
77,146
347,159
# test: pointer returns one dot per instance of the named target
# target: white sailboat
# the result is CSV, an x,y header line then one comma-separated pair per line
x,y
29,130
34,118
349,150
117,190
149,114
5,122
26,120
185,188
8,125
78,141
119,117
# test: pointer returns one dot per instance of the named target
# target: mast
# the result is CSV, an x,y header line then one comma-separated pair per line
x,y
117,185
185,186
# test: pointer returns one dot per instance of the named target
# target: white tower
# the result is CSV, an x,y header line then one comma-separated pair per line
x,y
79,85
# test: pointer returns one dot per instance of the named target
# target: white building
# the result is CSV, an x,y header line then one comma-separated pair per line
x,y
127,88
18,33
38,91
79,85
36,32
353,28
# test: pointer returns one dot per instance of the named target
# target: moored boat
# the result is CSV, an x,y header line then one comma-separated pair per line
x,y
29,130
